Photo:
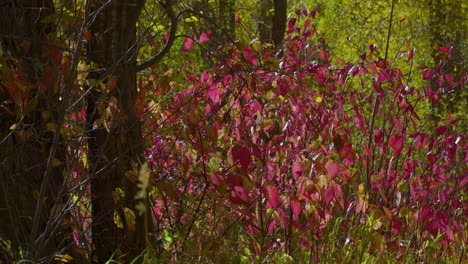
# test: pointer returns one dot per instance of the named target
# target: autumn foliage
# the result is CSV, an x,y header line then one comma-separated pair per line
x,y
271,158
288,158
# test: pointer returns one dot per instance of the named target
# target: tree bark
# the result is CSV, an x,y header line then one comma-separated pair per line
x,y
272,24
24,152
278,26
117,147
264,25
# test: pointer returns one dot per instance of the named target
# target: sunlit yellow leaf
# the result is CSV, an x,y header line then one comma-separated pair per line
x,y
63,258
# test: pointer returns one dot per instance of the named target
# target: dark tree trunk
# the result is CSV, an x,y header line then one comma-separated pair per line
x,y
264,25
272,24
278,25
116,148
24,152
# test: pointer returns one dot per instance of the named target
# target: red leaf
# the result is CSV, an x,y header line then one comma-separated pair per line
x,y
397,224
441,130
449,233
188,43
447,49
242,155
441,80
233,180
250,56
329,195
427,74
378,137
324,55
410,54
449,78
256,152
214,94
297,170
291,24
205,36
396,142
295,205
273,196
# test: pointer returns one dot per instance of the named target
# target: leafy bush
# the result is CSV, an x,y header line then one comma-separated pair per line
x,y
291,159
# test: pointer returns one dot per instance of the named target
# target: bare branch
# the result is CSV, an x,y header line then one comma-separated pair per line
x,y
172,36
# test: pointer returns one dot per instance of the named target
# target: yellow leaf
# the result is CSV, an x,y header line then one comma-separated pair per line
x,y
318,99
63,258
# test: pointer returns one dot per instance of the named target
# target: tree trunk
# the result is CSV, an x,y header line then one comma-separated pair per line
x,y
278,25
264,25
272,24
115,141
34,102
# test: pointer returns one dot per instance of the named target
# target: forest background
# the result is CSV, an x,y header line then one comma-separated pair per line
x,y
266,131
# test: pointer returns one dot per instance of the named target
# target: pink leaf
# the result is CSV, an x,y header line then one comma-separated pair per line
x,y
273,196
332,169
297,170
188,43
215,179
205,36
441,80
214,94
165,37
250,56
449,233
324,55
329,195
396,142
449,78
295,206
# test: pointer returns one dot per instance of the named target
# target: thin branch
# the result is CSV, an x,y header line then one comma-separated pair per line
x,y
55,140
172,36
377,99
